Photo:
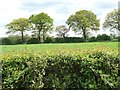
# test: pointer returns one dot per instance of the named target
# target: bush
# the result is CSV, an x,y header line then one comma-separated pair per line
x,y
93,70
6,41
15,39
32,41
114,40
118,38
50,40
59,40
92,39
69,40
23,72
11,40
74,40
103,37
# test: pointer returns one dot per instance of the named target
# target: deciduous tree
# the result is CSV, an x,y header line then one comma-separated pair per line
x,y
112,20
83,21
19,25
42,23
62,30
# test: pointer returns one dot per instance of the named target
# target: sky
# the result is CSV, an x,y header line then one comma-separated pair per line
x,y
59,10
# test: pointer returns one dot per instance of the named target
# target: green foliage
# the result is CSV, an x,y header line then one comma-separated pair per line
x,y
50,40
19,25
13,40
5,41
103,37
74,40
69,40
83,21
32,41
42,22
112,20
92,39
118,38
94,69
23,72
62,31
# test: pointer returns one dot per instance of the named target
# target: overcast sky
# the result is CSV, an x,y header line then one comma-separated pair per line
x,y
59,10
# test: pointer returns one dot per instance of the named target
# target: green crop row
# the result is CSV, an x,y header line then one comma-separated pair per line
x,y
93,70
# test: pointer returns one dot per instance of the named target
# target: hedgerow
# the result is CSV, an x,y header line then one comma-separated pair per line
x,y
88,70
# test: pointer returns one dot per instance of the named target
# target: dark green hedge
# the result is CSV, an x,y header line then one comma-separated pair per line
x,y
103,37
69,40
12,40
93,71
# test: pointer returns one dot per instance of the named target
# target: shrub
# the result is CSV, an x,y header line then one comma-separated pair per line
x,y
32,41
6,41
93,70
50,40
103,37
92,39
23,72
74,40
69,40
15,39
118,38
59,40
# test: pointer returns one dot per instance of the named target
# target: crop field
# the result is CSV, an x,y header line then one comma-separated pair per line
x,y
67,65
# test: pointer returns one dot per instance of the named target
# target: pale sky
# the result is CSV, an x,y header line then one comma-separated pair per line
x,y
59,10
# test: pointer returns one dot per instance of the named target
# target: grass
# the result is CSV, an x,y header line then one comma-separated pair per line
x,y
59,46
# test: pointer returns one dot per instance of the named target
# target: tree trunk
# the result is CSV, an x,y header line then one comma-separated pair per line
x,y
84,34
22,36
40,29
63,35
43,36
39,37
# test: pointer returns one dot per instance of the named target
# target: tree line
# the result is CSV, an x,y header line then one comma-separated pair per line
x,y
15,39
82,22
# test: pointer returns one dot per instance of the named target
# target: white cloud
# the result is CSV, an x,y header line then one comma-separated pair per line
x,y
59,10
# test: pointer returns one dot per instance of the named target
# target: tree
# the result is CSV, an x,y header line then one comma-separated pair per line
x,y
112,20
103,37
6,41
42,23
62,30
19,25
83,21
15,39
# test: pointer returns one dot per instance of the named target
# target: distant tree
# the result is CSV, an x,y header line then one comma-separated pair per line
x,y
6,41
83,21
19,25
112,20
15,39
103,37
42,23
62,30
92,39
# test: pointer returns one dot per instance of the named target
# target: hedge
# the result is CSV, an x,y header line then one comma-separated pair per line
x,y
93,70
30,40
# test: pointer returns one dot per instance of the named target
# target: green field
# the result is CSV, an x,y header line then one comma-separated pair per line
x,y
62,46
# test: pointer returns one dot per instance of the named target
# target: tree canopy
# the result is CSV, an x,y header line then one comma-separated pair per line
x,y
112,20
19,25
62,30
83,21
42,23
